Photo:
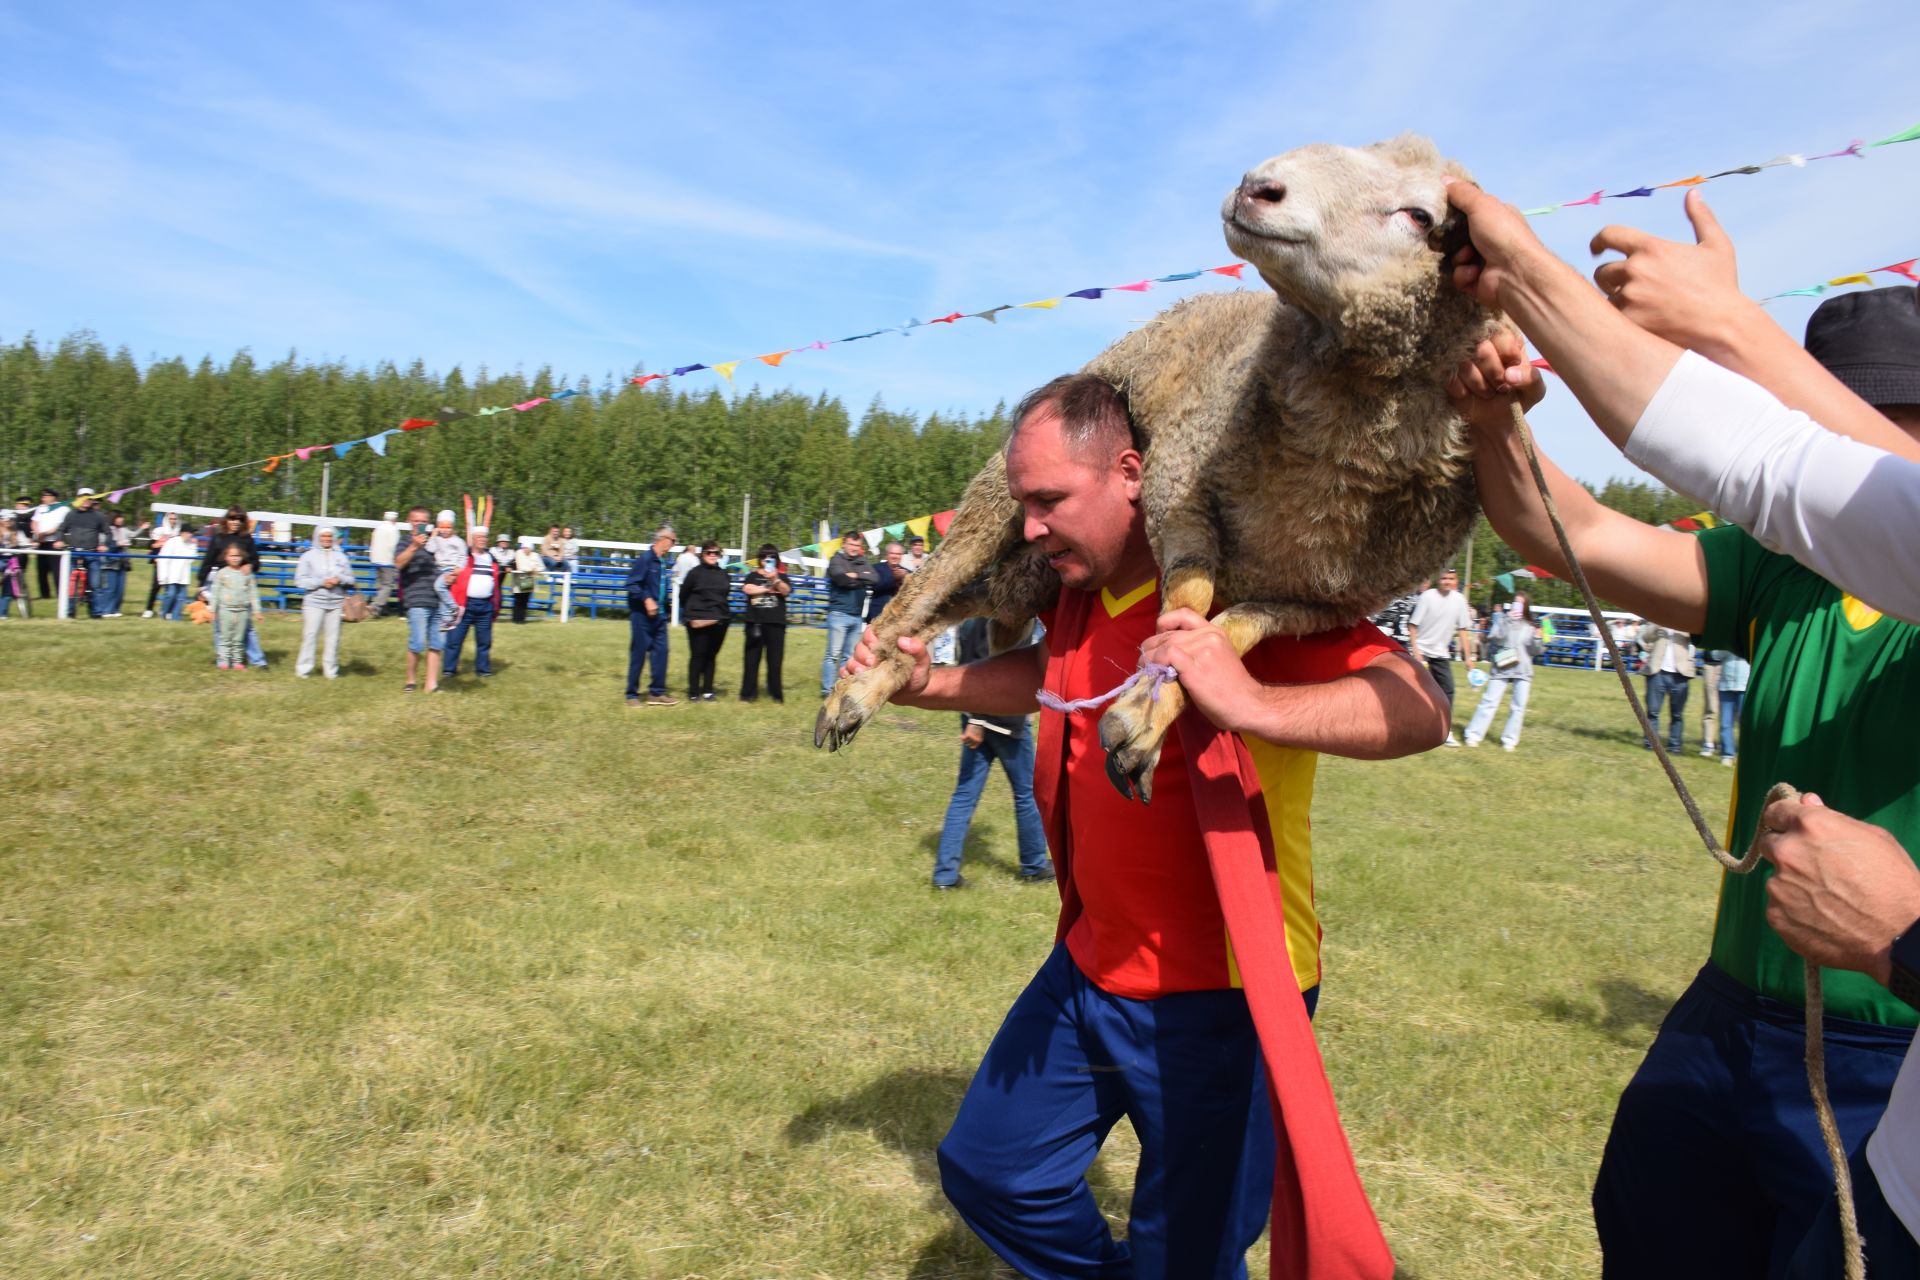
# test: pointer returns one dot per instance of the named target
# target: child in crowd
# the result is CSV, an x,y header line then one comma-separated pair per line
x,y
449,552
235,598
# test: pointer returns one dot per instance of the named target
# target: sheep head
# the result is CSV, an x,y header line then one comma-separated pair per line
x,y
1352,236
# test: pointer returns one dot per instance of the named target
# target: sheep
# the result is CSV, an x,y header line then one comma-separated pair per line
x,y
1302,466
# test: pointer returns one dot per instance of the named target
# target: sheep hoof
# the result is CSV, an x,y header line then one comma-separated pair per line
x,y
839,719
1133,729
1132,783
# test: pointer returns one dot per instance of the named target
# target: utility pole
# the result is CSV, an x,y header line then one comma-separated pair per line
x,y
746,508
326,479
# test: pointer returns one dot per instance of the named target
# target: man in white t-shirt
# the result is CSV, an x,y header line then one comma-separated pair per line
x,y
1441,617
382,543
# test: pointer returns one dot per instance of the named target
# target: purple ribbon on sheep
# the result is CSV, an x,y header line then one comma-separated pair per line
x,y
1159,672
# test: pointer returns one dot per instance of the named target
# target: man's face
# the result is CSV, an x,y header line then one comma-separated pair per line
x,y
325,539
894,553
46,495
417,516
477,541
661,543
855,546
1449,583
1080,508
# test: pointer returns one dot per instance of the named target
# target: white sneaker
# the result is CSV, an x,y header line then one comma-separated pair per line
x,y
1707,751
1727,761
1506,746
1472,742
147,614
1451,741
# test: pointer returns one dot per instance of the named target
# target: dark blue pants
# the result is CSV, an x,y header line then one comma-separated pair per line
x,y
1664,687
478,618
1891,1251
1715,1166
646,643
1067,1063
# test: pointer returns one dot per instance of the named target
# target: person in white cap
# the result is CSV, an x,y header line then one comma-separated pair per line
x,y
382,544
449,552
87,535
326,575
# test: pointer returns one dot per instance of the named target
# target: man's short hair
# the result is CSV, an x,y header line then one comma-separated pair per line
x,y
664,531
1092,411
425,511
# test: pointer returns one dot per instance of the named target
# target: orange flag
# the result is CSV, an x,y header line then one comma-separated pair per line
x,y
1694,181
773,361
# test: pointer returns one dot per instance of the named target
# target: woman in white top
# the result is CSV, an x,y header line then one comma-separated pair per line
x,y
326,575
174,564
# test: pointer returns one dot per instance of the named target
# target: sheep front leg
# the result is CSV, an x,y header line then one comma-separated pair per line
x,y
1136,725
946,588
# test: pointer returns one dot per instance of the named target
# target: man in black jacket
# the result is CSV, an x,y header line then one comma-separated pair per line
x,y
984,739
86,532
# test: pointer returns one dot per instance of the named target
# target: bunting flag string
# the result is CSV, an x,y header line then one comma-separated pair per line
x,y
726,368
1902,269
1856,149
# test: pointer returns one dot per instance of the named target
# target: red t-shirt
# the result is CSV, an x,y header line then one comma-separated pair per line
x,y
1150,922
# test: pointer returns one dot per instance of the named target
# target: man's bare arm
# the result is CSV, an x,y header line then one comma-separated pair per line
x,y
1387,709
1656,573
1001,686
1614,366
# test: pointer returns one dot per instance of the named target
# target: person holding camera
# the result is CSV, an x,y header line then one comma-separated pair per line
x,y
766,589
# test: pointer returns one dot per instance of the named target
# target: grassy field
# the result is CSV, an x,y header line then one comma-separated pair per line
x,y
310,979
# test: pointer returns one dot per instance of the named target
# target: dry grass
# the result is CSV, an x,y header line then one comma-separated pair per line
x,y
325,980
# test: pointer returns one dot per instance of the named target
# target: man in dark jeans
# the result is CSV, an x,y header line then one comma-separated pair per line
x,y
87,537
647,621
984,739
477,588
1669,668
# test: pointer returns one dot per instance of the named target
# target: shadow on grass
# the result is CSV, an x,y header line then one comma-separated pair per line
x,y
973,855
1629,1014
910,1111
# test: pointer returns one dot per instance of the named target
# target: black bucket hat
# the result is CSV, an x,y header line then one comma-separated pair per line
x,y
1871,341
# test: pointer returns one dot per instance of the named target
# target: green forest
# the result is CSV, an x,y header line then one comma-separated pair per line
x,y
614,461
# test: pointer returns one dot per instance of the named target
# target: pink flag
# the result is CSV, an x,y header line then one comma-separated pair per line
x,y
534,403
1592,199
1233,270
303,454
1138,286
644,380
158,485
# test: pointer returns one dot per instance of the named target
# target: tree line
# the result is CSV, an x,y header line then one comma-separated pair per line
x,y
614,461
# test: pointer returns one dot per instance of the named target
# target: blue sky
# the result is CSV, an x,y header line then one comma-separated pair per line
x,y
594,186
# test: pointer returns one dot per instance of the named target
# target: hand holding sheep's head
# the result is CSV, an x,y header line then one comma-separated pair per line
x,y
1351,235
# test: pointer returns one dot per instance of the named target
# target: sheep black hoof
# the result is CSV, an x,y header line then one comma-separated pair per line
x,y
839,720
1134,783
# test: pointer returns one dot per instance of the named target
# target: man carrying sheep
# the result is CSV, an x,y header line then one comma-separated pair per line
x,y
1136,1010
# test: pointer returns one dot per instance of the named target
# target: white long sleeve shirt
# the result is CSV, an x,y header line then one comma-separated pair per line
x,y
1846,510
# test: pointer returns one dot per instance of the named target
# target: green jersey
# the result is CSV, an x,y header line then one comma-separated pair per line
x,y
1832,704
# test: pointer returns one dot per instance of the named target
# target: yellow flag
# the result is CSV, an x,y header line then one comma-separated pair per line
x,y
1858,279
828,549
919,525
1049,304
726,370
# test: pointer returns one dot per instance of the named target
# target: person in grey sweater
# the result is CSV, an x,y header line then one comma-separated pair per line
x,y
326,575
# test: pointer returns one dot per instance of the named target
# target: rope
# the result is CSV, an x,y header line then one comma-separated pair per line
x,y
1159,672
1854,1256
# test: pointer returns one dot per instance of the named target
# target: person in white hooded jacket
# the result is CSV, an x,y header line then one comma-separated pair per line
x,y
326,575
